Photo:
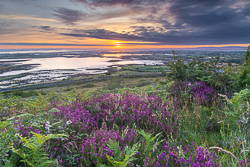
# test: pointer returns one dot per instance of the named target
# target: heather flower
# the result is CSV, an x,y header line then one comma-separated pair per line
x,y
92,123
199,157
202,93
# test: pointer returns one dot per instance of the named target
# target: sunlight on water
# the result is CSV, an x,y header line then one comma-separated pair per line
x,y
68,63
123,54
58,68
73,63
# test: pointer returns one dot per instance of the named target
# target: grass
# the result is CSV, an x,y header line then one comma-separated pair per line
x,y
92,85
10,77
125,72
24,94
147,68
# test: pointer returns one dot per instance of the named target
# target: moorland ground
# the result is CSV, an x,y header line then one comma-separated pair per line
x,y
195,115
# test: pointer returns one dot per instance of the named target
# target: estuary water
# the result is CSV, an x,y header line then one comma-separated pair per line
x,y
57,68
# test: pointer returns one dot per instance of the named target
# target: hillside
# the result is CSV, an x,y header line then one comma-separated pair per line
x,y
197,115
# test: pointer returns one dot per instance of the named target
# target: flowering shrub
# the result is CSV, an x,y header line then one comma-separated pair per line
x,y
245,162
202,93
128,129
127,120
94,148
92,123
197,92
201,70
147,113
27,123
189,155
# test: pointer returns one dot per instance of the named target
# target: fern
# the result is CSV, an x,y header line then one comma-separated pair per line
x,y
149,146
50,97
40,95
7,138
4,124
100,165
35,156
20,116
39,104
242,99
121,160
151,142
117,152
53,110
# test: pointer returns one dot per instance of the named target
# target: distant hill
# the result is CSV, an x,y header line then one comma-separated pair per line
x,y
239,48
226,48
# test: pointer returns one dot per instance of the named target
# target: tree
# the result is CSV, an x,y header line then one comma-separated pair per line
x,y
178,68
200,70
244,76
247,56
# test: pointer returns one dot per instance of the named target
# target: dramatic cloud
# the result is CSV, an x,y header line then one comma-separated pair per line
x,y
138,6
220,35
7,31
5,28
246,11
69,16
102,34
112,3
4,24
52,44
202,13
44,28
162,22
182,22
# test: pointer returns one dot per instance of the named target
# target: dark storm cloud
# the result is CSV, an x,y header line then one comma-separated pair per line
x,y
203,13
220,35
69,16
208,19
195,14
246,11
214,21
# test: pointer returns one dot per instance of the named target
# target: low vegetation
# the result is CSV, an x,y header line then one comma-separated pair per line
x,y
198,115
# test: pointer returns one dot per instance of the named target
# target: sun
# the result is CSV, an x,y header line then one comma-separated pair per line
x,y
118,43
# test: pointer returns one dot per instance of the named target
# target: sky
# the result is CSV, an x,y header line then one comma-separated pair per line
x,y
124,24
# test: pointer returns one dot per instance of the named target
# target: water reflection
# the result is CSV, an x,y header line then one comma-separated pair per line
x,y
74,63
68,63
56,68
123,54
